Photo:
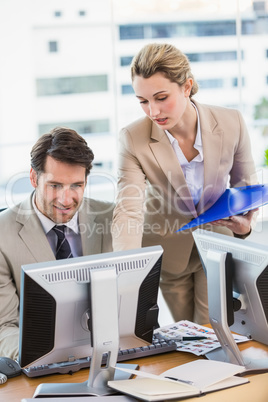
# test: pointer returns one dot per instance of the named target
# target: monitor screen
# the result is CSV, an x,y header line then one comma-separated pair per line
x,y
237,275
56,308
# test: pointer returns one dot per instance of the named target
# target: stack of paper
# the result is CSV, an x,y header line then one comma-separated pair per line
x,y
188,331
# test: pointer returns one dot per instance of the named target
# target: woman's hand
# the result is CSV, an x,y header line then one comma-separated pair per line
x,y
238,224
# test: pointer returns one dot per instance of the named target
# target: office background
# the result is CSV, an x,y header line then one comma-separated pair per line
x,y
66,62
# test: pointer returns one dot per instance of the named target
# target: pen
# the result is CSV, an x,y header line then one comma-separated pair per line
x,y
180,380
179,338
193,338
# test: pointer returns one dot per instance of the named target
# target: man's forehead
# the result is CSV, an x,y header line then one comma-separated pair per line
x,y
63,179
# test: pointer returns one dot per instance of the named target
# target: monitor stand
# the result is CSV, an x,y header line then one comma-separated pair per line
x,y
219,294
105,339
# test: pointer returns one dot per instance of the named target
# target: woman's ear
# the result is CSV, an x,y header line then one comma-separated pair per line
x,y
33,178
188,87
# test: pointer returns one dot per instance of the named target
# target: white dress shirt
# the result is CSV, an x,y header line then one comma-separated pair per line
x,y
72,232
194,170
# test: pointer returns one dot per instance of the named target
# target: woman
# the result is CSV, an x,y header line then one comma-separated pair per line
x,y
174,163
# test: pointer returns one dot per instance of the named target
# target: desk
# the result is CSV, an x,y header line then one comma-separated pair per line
x,y
256,391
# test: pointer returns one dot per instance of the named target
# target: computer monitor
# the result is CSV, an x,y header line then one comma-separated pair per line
x,y
88,306
237,278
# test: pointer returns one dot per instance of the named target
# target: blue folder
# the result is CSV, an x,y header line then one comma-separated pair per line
x,y
234,201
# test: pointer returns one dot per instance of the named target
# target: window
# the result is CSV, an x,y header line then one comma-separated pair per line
x,y
163,31
234,82
248,27
131,32
169,30
57,14
125,60
127,89
259,6
215,83
188,29
82,13
213,28
81,127
71,85
211,83
212,56
53,46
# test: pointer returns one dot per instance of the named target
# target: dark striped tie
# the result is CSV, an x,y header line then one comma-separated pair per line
x,y
63,249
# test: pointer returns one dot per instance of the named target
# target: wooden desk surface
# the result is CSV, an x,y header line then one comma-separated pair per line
x,y
21,387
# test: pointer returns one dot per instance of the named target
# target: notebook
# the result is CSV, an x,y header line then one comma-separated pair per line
x,y
110,398
191,379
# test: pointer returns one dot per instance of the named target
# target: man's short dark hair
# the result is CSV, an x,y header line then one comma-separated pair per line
x,y
64,145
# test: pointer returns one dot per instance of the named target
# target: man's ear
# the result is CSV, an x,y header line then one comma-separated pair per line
x,y
33,178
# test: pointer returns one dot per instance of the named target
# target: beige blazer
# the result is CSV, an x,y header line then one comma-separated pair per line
x,y
153,197
23,241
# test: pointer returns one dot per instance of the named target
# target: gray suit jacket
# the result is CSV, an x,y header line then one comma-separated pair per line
x,y
23,241
153,197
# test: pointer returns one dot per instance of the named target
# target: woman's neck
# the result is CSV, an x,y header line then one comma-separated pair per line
x,y
187,128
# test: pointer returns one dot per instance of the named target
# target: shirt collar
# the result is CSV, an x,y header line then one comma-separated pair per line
x,y
48,224
198,139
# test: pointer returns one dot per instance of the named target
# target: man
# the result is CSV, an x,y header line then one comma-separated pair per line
x,y
60,164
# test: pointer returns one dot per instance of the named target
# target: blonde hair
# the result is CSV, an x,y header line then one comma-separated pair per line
x,y
163,58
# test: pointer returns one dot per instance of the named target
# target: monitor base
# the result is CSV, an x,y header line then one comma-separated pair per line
x,y
253,365
81,389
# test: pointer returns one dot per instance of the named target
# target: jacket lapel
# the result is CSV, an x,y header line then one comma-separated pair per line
x,y
212,136
91,237
32,232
